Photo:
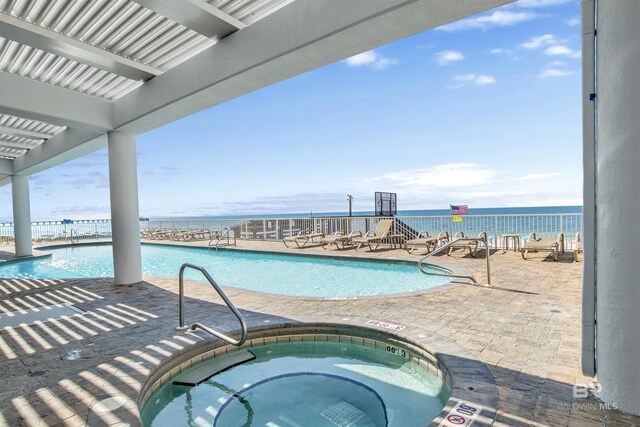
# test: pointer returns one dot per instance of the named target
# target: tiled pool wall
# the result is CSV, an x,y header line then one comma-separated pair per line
x,y
468,379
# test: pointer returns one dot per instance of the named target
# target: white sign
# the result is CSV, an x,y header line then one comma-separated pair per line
x,y
463,414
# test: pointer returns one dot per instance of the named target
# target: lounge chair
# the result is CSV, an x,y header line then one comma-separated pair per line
x,y
554,245
578,249
338,239
382,231
302,238
423,239
471,245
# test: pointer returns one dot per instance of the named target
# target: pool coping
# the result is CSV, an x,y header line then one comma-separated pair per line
x,y
440,288
470,380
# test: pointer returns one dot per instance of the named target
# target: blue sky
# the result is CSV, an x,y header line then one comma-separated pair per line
x,y
485,111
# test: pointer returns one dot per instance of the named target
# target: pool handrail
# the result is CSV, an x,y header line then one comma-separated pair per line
x,y
421,263
225,298
71,233
220,235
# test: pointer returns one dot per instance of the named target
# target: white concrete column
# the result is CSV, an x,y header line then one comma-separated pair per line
x,y
21,214
618,203
125,217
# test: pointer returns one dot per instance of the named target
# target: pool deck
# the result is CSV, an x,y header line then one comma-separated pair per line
x,y
526,329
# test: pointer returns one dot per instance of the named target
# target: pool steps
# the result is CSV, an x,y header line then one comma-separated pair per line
x,y
193,377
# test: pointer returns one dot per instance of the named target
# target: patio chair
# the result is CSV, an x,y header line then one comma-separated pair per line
x,y
302,238
553,245
578,249
423,239
471,245
382,231
338,239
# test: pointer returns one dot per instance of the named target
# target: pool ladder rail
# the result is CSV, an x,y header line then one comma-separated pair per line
x,y
422,263
220,235
225,298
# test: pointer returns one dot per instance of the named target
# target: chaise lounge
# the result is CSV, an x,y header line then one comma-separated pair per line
x,y
471,245
383,230
423,239
302,238
553,245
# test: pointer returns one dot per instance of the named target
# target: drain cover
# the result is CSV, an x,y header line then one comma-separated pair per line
x,y
342,414
11,319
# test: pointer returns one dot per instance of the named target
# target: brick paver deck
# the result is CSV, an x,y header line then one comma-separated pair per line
x,y
526,329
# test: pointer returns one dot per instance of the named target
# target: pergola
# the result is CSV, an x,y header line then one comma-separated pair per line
x,y
79,75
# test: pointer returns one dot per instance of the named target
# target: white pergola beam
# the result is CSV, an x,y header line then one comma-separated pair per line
x,y
31,99
303,36
23,133
6,167
49,41
196,15
11,144
67,145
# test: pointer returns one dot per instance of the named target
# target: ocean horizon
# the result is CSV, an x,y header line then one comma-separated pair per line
x,y
524,210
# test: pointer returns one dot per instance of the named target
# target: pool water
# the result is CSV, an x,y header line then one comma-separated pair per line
x,y
306,384
272,273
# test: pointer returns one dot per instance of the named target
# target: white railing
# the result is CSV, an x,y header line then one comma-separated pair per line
x,y
51,232
545,225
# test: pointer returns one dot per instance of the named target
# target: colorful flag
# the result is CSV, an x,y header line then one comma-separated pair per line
x,y
459,209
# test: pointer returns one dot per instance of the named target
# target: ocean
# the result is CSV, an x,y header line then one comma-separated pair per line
x,y
530,210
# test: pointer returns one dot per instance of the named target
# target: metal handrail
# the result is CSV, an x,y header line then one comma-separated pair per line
x,y
227,301
421,263
71,233
220,235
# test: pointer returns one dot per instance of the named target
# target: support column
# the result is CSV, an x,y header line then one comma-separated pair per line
x,y
618,203
125,217
21,215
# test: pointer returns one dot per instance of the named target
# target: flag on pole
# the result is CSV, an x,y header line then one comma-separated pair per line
x,y
459,209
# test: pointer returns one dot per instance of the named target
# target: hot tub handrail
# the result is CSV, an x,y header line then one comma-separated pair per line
x,y
227,301
422,262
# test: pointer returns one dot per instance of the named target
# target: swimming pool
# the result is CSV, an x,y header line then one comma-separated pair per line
x,y
265,272
320,383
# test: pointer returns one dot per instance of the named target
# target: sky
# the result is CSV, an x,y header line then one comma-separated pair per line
x,y
485,111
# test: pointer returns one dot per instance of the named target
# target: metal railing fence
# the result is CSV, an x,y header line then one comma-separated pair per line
x,y
544,225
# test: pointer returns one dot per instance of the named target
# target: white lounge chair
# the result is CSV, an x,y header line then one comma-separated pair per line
x,y
471,245
423,239
302,238
383,230
553,245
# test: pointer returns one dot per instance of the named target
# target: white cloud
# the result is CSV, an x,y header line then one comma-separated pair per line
x,y
500,51
499,18
541,3
448,56
371,59
536,42
555,69
540,176
476,79
574,22
560,50
451,175
553,72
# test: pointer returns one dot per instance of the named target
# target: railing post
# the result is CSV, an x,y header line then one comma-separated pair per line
x,y
495,236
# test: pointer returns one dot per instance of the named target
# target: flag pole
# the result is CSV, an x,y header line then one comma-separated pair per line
x,y
450,222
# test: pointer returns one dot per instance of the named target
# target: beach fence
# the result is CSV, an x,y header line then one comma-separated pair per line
x,y
544,225
53,232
